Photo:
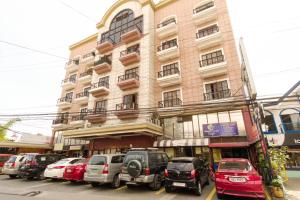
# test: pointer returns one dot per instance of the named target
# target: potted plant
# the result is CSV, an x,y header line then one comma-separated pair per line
x,y
277,187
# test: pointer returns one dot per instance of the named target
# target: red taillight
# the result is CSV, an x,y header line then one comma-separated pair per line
x,y
13,165
193,174
58,167
105,169
147,171
254,178
166,173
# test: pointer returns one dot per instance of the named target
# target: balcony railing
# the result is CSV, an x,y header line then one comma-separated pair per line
x,y
211,61
105,40
87,73
76,62
203,7
97,111
91,54
207,31
60,121
167,45
100,84
132,27
135,49
167,22
126,106
217,95
168,72
128,76
82,94
69,80
290,127
170,103
64,100
79,117
104,59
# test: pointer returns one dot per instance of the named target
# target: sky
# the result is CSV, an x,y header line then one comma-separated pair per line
x,y
30,82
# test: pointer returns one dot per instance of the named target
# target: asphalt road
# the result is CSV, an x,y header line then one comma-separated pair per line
x,y
15,189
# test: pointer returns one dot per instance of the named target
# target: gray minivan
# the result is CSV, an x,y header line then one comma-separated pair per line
x,y
103,169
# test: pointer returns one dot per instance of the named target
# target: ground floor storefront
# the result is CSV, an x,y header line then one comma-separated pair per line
x,y
18,148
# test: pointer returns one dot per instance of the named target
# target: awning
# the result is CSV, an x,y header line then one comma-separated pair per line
x,y
9,144
230,144
181,143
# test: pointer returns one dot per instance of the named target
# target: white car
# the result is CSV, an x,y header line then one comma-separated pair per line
x,y
56,170
11,167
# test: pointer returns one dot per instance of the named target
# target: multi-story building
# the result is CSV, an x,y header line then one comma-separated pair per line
x,y
165,75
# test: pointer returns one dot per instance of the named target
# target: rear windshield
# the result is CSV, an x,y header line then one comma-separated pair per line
x,y
12,159
244,166
61,162
183,165
98,160
4,158
140,156
81,161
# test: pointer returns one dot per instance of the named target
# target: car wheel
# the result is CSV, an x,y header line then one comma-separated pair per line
x,y
198,191
168,189
73,181
116,181
95,184
207,181
12,176
219,196
156,184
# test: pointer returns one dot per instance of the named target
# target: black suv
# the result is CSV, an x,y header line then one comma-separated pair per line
x,y
144,166
186,172
34,165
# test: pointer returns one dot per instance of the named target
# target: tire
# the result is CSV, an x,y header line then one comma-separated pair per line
x,y
134,168
198,190
156,184
168,189
207,181
12,176
73,181
95,184
219,196
116,181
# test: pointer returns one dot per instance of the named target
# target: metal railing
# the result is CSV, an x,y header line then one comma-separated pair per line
x,y
76,62
64,99
67,80
100,84
203,7
91,54
60,121
79,117
170,103
290,127
133,49
97,111
132,27
104,59
127,106
128,76
167,45
87,73
207,31
211,61
168,72
82,94
167,22
217,95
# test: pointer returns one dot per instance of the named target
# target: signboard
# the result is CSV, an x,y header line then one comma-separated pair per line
x,y
283,139
220,129
78,147
58,147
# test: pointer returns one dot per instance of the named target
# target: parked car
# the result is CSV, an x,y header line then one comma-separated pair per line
x,y
103,169
56,170
34,165
11,167
3,159
186,172
237,177
144,166
75,172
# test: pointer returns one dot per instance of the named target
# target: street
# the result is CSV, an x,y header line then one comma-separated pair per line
x,y
47,189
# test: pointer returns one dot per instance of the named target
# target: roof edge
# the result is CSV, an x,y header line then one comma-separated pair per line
x,y
83,41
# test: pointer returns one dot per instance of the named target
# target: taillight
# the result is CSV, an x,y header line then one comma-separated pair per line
x,y
193,174
105,169
166,173
13,165
147,171
254,178
58,167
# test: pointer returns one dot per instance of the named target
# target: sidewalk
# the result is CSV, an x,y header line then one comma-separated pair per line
x,y
292,188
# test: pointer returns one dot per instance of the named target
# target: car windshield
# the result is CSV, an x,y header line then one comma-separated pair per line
x,y
225,165
183,165
12,159
98,160
140,156
28,157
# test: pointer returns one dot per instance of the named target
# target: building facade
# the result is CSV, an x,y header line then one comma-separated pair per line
x,y
165,75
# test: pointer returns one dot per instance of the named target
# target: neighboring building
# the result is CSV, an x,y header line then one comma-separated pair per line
x,y
165,75
281,124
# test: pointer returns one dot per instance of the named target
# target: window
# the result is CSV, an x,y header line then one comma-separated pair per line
x,y
122,23
269,121
130,99
98,160
168,44
73,78
207,31
117,159
86,91
69,95
104,79
212,58
131,73
167,22
171,99
203,7
217,90
290,120
169,70
101,105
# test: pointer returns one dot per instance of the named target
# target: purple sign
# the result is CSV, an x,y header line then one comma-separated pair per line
x,y
220,129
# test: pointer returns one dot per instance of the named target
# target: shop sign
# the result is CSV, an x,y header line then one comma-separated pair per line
x,y
72,148
292,139
220,129
58,147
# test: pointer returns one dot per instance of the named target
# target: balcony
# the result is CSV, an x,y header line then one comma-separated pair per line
x,y
290,127
170,103
64,102
97,116
208,37
59,123
127,110
133,33
219,95
72,65
88,59
167,28
204,13
169,77
213,67
168,51
130,56
105,46
128,81
78,120
82,98
68,83
102,65
85,77
100,89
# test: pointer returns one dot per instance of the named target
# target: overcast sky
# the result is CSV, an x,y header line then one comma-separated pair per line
x,y
30,82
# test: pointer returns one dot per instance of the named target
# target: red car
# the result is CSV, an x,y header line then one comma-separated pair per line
x,y
75,172
3,159
237,177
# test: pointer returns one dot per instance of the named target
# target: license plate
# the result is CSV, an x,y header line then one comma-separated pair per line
x,y
178,184
237,179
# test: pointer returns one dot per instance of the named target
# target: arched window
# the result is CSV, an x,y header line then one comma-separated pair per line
x,y
121,23
290,119
269,122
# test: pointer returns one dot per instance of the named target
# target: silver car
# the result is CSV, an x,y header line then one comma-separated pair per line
x,y
103,169
11,167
